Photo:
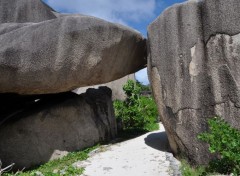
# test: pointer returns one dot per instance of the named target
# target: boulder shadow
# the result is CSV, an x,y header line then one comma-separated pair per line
x,y
158,141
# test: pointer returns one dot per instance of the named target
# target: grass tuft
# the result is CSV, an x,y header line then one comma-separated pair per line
x,y
59,167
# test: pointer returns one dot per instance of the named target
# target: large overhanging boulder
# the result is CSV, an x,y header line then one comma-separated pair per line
x,y
64,52
194,63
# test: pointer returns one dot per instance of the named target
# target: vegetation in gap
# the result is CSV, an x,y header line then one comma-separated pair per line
x,y
143,87
136,112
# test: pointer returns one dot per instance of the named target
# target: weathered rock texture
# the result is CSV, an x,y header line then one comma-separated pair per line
x,y
62,52
194,67
35,132
21,11
116,87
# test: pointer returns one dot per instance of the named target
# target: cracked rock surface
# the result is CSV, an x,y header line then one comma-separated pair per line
x,y
44,52
194,61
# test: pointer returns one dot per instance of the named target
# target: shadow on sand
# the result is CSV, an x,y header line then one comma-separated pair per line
x,y
158,141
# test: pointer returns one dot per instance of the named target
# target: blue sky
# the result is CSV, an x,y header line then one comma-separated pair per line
x,y
137,14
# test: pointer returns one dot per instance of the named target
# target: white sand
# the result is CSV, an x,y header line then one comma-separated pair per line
x,y
134,158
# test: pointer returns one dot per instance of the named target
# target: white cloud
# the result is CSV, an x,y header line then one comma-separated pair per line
x,y
142,76
121,11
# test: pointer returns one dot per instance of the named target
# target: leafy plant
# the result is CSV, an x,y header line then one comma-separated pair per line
x,y
187,170
225,141
136,112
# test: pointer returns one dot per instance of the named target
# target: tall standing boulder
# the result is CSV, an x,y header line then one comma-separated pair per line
x,y
62,52
194,63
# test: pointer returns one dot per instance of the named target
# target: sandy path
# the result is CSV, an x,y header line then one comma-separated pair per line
x,y
143,156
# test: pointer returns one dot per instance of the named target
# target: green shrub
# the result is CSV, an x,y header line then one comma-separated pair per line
x,y
225,141
187,170
136,112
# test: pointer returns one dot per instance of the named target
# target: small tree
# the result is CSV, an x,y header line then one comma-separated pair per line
x,y
136,111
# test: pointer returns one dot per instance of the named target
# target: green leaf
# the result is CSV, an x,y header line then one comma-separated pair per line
x,y
224,140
